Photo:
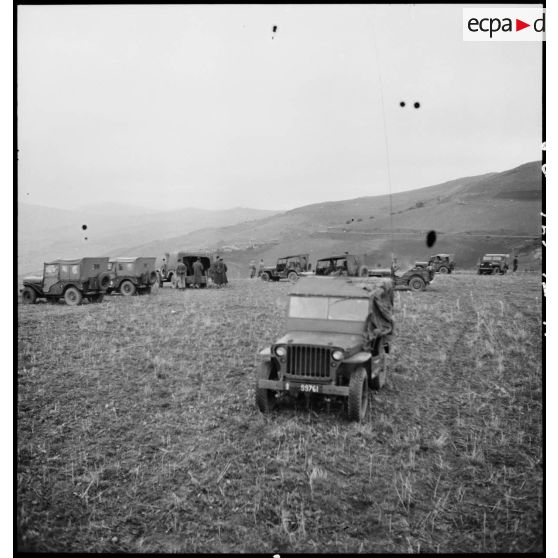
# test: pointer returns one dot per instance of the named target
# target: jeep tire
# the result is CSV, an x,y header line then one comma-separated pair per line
x,y
72,296
265,398
28,296
358,394
127,288
443,269
104,281
292,276
362,271
417,283
265,276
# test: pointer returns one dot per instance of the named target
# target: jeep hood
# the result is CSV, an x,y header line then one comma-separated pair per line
x,y
33,279
345,341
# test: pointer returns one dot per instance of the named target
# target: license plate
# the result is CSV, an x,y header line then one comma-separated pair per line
x,y
307,388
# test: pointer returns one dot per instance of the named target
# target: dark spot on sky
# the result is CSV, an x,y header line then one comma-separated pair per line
x,y
274,28
85,238
402,104
417,105
431,239
84,227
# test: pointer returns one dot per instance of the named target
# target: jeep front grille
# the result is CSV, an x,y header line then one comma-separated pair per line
x,y
308,362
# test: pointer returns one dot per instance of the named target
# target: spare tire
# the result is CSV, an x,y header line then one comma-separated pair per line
x,y
362,271
104,281
153,278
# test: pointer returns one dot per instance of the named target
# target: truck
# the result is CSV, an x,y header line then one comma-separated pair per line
x,y
167,269
347,264
491,264
131,275
70,280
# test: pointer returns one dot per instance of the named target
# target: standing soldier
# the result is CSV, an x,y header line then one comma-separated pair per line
x,y
198,273
252,268
181,274
515,263
224,268
261,267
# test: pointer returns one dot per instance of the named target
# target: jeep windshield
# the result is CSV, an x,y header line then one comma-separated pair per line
x,y
492,258
328,308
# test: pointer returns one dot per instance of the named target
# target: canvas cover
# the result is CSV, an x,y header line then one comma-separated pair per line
x,y
378,291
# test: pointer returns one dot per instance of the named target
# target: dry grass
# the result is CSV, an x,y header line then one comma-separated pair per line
x,y
138,431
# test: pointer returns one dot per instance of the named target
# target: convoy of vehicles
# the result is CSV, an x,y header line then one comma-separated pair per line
x,y
491,264
338,333
288,267
71,280
132,275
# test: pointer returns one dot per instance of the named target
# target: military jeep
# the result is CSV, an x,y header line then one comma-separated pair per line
x,y
491,264
289,267
72,280
346,265
338,333
132,275
416,278
440,263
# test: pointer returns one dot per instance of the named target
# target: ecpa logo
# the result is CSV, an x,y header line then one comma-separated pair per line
x,y
503,24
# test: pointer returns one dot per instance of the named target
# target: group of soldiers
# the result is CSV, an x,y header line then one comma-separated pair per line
x,y
217,272
256,269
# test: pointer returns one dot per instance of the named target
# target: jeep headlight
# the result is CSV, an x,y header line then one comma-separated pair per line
x,y
280,351
338,355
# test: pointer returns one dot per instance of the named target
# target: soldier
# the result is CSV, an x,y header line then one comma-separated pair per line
x,y
261,267
515,263
181,274
252,268
198,273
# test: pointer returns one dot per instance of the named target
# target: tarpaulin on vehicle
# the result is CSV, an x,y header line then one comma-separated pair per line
x,y
379,322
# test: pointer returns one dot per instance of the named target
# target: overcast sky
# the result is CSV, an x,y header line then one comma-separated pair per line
x,y
173,106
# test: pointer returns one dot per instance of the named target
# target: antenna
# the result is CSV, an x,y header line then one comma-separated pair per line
x,y
385,139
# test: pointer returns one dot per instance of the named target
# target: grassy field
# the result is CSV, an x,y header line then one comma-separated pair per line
x,y
138,431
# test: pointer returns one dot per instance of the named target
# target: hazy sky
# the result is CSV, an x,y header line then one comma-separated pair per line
x,y
170,106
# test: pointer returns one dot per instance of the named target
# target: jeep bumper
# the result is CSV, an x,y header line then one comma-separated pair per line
x,y
295,386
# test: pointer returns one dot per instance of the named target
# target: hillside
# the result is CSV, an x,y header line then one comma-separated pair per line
x,y
494,212
47,233
488,213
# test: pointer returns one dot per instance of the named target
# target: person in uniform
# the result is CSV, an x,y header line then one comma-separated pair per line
x,y
252,265
261,267
181,274
198,273
515,263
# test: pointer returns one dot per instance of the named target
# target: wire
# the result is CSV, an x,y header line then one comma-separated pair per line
x,y
385,138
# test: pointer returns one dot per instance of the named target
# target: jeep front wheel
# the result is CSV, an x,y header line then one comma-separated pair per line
x,y
265,276
358,394
72,296
28,296
292,276
443,269
265,398
127,288
417,284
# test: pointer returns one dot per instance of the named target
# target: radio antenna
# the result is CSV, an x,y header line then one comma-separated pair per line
x,y
386,143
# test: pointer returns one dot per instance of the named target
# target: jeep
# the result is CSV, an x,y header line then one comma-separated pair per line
x,y
416,278
167,270
72,280
348,265
132,275
440,263
289,267
338,334
491,264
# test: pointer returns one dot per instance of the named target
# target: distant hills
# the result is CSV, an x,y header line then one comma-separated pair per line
x,y
493,212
